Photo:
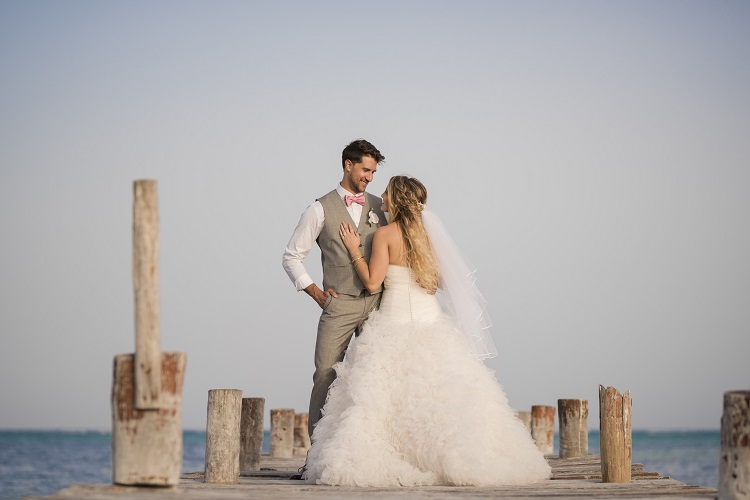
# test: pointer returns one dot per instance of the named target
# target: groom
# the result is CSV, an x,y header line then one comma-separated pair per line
x,y
344,300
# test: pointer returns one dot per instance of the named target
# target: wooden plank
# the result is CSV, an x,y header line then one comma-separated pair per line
x,y
146,294
272,483
285,489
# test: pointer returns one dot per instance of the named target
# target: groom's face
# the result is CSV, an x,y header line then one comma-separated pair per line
x,y
359,175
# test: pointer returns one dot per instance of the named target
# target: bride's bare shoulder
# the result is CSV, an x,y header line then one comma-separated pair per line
x,y
389,231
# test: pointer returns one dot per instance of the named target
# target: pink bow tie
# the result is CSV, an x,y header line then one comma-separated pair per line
x,y
360,198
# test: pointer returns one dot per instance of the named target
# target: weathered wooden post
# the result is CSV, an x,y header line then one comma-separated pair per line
x,y
223,436
734,461
147,444
282,433
251,433
525,417
146,292
616,434
543,427
574,429
301,435
147,385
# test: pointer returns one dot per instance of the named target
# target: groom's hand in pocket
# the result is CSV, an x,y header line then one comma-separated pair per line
x,y
319,295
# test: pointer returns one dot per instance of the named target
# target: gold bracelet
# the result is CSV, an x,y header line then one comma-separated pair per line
x,y
355,264
355,260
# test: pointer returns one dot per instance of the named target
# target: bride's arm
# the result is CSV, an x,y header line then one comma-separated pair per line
x,y
372,275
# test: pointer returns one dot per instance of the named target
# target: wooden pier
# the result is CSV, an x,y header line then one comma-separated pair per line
x,y
571,478
145,404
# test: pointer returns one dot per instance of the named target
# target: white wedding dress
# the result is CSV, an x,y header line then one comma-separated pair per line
x,y
411,405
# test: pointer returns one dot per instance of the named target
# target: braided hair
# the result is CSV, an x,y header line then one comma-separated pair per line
x,y
406,200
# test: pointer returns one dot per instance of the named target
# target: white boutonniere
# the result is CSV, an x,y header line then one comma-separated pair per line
x,y
372,217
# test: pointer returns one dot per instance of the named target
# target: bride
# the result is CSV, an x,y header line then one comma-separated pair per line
x,y
412,403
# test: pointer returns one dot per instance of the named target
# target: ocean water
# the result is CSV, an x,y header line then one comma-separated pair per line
x,y
44,462
35,463
691,457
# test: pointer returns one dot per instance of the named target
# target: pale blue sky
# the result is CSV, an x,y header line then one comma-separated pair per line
x,y
590,157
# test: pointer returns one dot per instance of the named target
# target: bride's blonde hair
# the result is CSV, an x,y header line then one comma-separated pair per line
x,y
406,200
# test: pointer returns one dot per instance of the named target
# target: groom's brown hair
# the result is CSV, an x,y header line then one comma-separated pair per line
x,y
355,150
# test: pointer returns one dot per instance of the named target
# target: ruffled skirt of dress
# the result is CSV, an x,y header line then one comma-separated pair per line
x,y
411,406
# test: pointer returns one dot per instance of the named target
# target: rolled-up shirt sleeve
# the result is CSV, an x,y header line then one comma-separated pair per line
x,y
307,231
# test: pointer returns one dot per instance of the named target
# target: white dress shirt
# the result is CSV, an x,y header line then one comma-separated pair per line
x,y
307,231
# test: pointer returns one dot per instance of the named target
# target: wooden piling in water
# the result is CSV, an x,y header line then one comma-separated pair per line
x,y
223,436
301,434
251,433
282,433
147,385
147,444
734,458
616,435
574,429
543,428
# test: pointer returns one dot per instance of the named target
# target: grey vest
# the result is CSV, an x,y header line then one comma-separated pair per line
x,y
338,271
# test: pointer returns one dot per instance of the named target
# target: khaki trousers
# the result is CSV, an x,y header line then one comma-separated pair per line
x,y
341,317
